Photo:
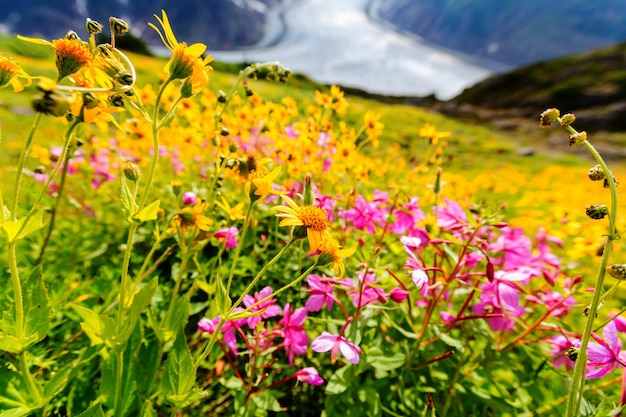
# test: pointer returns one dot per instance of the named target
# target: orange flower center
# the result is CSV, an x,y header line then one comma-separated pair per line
x,y
314,217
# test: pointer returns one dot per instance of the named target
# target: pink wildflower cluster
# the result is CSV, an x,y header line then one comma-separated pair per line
x,y
261,335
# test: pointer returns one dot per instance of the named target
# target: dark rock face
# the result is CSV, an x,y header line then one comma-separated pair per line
x,y
220,24
510,31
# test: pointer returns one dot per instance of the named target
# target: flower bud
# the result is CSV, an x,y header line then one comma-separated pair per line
x,y
117,100
90,101
572,353
249,91
118,26
124,78
131,171
93,27
186,90
606,181
596,173
71,35
567,119
221,97
189,198
308,191
617,271
548,117
597,211
578,138
398,295
224,131
177,187
232,147
53,104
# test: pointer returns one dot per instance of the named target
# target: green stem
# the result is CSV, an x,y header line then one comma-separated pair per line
x,y
225,317
125,283
577,386
20,166
30,381
17,293
53,213
242,237
175,291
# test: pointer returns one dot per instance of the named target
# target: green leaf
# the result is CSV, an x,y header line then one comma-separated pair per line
x,y
126,198
339,382
100,329
179,318
14,400
222,298
28,225
10,343
179,374
385,361
36,309
140,301
94,410
149,212
267,400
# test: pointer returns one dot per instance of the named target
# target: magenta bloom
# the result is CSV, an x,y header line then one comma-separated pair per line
x,y
559,346
370,293
606,354
267,307
413,265
321,293
500,297
407,217
366,215
189,198
333,343
451,216
309,376
296,340
515,246
398,295
228,329
229,236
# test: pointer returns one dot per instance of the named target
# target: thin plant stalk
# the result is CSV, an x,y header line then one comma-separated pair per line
x,y
125,283
577,386
20,166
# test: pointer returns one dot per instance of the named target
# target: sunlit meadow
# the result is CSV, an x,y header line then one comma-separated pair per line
x,y
181,242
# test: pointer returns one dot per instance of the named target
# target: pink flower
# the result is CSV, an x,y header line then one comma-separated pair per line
x,y
515,246
407,217
451,216
500,298
559,346
189,198
606,354
267,307
367,294
333,343
296,340
366,215
309,376
413,265
558,304
398,295
229,236
321,293
228,329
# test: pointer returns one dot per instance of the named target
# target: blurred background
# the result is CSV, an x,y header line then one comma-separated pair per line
x,y
390,47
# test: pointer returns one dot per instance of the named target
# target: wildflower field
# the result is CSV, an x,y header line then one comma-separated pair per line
x,y
184,242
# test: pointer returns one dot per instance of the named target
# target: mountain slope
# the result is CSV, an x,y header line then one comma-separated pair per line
x,y
592,84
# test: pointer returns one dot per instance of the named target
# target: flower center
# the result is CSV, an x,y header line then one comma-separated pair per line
x,y
314,217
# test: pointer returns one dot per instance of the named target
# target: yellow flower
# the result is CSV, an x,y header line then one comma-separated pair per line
x,y
234,213
11,72
313,218
186,60
332,255
72,54
263,184
430,132
193,217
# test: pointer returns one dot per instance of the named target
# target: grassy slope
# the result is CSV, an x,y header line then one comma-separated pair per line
x,y
474,149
